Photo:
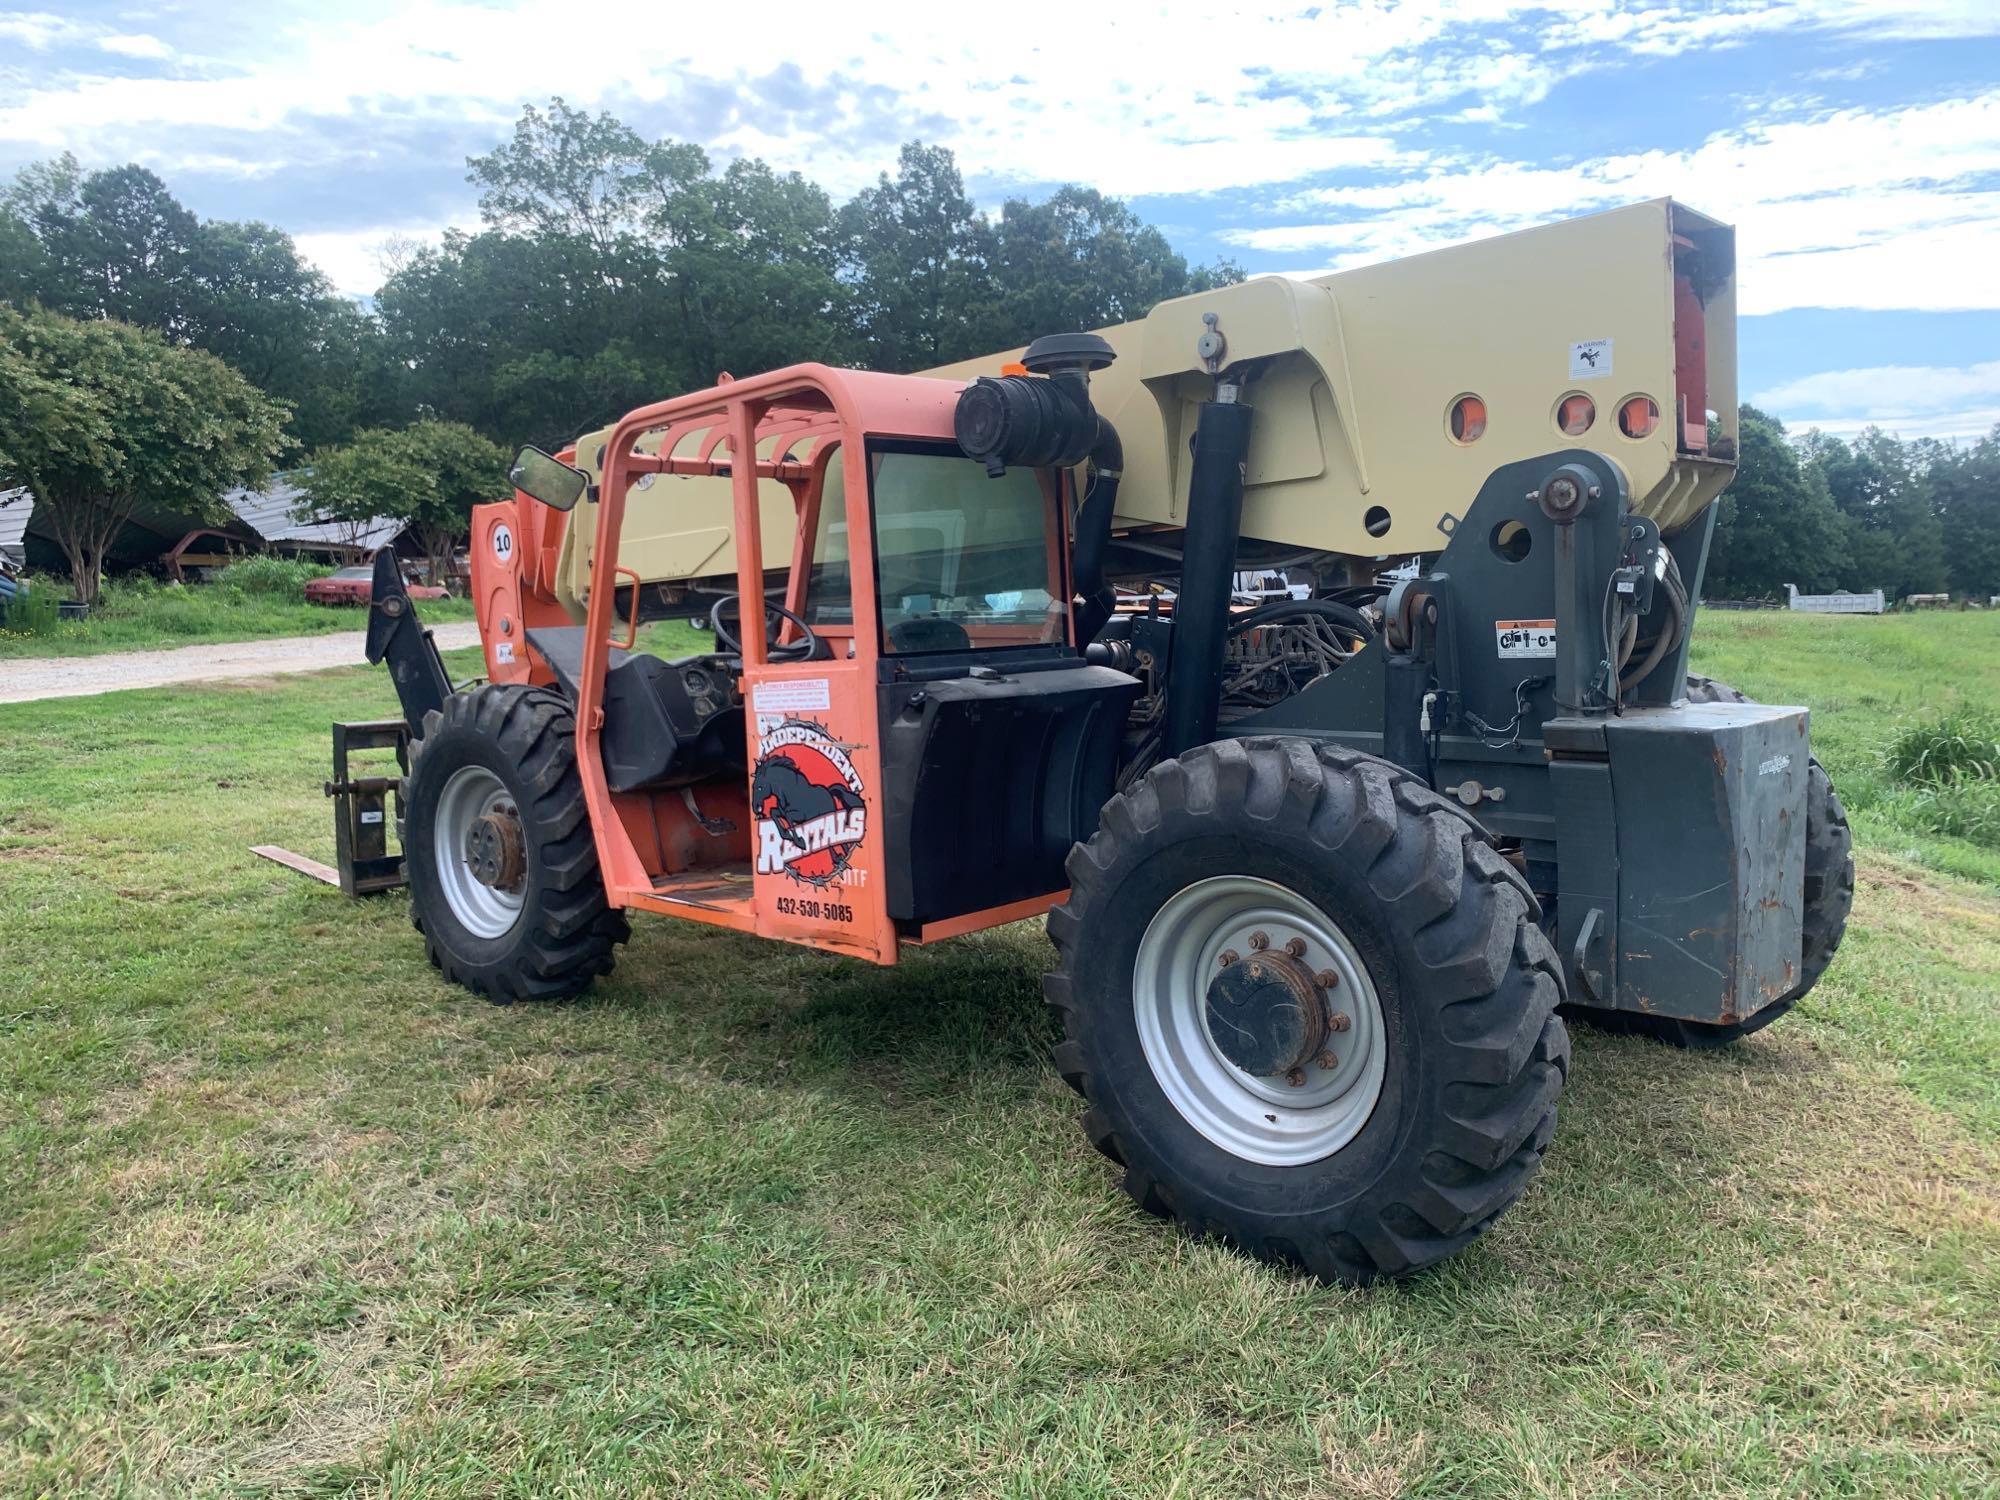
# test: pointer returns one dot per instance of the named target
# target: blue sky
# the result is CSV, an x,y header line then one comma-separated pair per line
x,y
1855,143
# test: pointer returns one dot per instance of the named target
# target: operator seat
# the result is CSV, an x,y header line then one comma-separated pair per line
x,y
666,723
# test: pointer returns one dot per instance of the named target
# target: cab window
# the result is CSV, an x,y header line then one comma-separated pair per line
x,y
962,561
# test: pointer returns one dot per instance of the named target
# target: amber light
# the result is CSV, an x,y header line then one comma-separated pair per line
x,y
1467,422
1574,414
1639,416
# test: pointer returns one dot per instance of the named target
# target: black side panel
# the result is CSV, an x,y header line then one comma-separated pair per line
x,y
987,784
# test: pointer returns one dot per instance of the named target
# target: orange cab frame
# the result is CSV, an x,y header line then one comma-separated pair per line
x,y
804,418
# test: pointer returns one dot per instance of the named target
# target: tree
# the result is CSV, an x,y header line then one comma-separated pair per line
x,y
528,339
1965,492
565,173
428,475
97,415
1894,538
753,272
118,245
121,249
915,253
1079,260
1777,524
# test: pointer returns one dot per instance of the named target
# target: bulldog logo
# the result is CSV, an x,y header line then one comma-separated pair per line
x,y
807,800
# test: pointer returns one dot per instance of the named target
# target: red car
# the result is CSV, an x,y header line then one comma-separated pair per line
x,y
356,585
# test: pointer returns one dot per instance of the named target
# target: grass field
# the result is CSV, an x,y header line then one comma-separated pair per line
x,y
282,1214
130,618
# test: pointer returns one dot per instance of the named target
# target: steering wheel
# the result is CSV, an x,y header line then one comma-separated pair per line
x,y
803,649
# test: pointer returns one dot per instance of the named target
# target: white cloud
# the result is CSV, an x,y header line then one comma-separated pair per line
x,y
36,30
1949,401
1852,209
1883,209
135,44
358,261
1145,98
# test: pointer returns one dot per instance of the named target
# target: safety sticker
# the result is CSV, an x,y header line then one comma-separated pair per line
x,y
792,695
1521,638
1589,359
503,653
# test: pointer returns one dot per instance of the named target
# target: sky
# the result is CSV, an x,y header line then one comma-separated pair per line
x,y
1855,144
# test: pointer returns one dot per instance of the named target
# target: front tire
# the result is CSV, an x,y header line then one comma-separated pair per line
x,y
523,915
1440,1097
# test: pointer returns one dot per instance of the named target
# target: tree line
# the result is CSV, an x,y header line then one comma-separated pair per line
x,y
1914,516
610,271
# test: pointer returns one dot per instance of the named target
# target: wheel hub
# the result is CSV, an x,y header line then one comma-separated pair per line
x,y
1267,1014
495,852
1259,1020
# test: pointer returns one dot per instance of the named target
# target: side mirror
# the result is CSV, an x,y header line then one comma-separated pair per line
x,y
549,480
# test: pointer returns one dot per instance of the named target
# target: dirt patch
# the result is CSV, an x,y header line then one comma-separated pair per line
x,y
260,663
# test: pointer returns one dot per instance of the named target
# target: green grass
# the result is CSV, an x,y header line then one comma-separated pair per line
x,y
280,1213
140,615
1870,682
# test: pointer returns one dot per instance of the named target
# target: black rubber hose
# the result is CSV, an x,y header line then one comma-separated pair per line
x,y
1668,636
1287,609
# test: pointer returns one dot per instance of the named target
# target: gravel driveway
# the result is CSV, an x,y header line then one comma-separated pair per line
x,y
84,676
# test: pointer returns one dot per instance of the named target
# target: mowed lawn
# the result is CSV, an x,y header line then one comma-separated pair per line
x,y
280,1213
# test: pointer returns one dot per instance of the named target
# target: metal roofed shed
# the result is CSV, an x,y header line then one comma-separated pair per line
x,y
270,519
15,507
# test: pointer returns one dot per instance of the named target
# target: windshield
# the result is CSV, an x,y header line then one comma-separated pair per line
x,y
962,560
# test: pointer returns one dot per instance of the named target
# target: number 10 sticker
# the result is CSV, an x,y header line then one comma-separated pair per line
x,y
503,543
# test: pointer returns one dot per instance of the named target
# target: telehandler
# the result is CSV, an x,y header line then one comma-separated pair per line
x,y
1323,874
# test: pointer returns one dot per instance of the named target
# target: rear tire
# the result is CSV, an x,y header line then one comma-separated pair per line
x,y
1431,926
549,934
1829,897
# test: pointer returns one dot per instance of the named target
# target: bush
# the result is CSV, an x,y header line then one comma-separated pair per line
x,y
1955,748
32,611
281,576
1969,810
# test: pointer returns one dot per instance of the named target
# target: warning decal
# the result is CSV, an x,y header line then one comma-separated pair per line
x,y
1589,359
791,695
1521,638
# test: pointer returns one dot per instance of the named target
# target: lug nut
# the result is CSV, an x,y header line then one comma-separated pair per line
x,y
1296,947
1258,942
1340,1021
1296,1078
1326,979
1327,1060
1227,957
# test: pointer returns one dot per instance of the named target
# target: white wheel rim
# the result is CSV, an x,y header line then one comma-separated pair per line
x,y
1264,1120
482,910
